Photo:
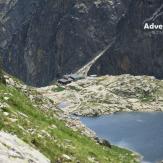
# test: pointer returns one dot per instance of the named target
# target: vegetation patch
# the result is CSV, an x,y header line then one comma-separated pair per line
x,y
74,88
58,89
147,98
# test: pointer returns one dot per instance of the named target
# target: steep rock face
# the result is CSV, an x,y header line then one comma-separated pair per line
x,y
136,51
40,40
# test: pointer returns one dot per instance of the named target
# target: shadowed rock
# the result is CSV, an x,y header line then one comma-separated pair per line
x,y
136,51
42,40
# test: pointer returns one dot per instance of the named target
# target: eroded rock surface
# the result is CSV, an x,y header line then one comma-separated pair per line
x,y
14,150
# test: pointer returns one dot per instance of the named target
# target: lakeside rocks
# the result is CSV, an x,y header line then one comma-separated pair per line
x,y
103,142
76,125
95,96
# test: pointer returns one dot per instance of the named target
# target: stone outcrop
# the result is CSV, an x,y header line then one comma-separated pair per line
x,y
14,150
103,142
136,51
41,40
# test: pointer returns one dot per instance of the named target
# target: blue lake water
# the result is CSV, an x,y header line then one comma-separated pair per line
x,y
141,132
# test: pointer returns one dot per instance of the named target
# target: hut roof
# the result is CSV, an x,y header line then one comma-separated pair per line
x,y
64,81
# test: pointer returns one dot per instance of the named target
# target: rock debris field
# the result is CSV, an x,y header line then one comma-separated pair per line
x,y
107,94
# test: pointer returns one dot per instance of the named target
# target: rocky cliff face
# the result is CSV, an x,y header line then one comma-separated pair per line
x,y
135,51
40,40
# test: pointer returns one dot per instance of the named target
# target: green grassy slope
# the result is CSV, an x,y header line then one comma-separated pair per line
x,y
49,135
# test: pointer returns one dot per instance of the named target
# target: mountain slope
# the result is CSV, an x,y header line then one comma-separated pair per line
x,y
35,119
42,40
136,51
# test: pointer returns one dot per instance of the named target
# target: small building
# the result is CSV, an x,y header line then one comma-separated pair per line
x,y
67,79
76,77
66,76
64,81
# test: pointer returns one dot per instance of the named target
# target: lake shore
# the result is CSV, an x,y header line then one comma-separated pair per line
x,y
132,131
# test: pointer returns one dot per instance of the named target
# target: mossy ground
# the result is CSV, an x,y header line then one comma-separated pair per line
x,y
45,132
58,89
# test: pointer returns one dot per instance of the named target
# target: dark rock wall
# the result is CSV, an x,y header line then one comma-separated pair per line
x,y
136,51
40,40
